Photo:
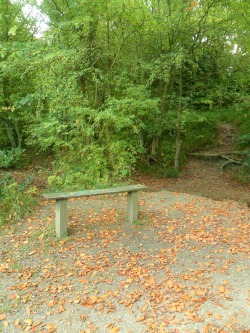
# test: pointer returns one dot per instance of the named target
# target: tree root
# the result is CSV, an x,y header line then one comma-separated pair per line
x,y
228,156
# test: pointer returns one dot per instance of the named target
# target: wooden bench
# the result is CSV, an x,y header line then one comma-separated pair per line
x,y
61,203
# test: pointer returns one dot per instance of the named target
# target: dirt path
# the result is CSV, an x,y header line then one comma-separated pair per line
x,y
200,177
204,177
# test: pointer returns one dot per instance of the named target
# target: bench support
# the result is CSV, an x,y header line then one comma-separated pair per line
x,y
61,217
132,207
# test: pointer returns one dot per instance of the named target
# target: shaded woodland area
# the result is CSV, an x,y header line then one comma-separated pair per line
x,y
115,87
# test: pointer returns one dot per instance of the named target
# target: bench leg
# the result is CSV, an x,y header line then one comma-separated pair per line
x,y
61,218
132,207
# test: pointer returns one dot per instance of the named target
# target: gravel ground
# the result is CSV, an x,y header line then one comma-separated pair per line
x,y
184,267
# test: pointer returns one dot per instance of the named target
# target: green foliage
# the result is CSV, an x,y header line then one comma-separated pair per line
x,y
243,173
199,130
244,143
244,140
92,167
16,199
11,158
112,83
159,170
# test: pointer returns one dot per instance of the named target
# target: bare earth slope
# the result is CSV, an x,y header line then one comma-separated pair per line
x,y
204,176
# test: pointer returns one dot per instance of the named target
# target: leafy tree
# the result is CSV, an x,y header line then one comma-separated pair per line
x,y
15,83
114,82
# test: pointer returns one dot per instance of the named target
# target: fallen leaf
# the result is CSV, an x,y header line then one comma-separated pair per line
x,y
221,289
114,330
28,321
51,328
2,316
36,324
17,322
94,299
14,295
205,329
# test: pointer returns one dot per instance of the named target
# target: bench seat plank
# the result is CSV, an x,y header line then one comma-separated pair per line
x,y
68,195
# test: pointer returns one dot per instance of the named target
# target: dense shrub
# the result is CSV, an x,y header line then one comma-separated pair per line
x,y
11,158
16,199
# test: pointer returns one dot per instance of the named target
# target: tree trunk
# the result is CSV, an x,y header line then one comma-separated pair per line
x,y
18,134
10,134
178,127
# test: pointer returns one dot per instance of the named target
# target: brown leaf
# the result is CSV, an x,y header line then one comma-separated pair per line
x,y
115,329
221,289
2,316
14,295
36,324
94,298
140,318
51,328
17,322
5,323
28,321
77,300
205,329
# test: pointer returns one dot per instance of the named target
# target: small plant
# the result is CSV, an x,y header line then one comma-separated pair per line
x,y
172,173
244,143
243,174
15,198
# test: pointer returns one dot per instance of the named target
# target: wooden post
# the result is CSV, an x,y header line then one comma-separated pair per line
x,y
61,217
132,207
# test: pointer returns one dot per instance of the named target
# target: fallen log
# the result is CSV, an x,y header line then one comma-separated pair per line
x,y
220,154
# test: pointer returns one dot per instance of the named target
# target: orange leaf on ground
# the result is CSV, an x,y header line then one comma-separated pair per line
x,y
2,316
221,289
205,329
28,321
51,328
114,330
36,324
12,296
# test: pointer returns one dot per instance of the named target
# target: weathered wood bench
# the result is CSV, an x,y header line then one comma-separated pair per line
x,y
61,203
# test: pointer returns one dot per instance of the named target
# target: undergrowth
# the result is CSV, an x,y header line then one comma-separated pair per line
x,y
16,198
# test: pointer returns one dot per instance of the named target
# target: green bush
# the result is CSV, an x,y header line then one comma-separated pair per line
x,y
16,199
93,166
244,143
199,130
11,158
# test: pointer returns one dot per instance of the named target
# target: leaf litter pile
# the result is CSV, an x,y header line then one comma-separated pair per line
x,y
184,267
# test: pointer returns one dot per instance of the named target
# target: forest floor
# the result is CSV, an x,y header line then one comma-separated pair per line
x,y
184,267
204,176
